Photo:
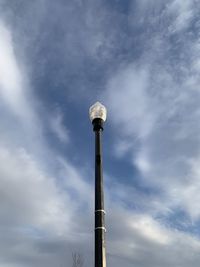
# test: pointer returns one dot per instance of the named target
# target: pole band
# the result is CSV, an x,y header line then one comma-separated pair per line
x,y
100,228
100,211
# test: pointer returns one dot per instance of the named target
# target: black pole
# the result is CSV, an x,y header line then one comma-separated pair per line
x,y
100,252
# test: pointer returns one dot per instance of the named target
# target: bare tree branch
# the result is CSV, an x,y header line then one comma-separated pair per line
x,y
78,260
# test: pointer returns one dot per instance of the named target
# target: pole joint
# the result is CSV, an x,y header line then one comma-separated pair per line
x,y
101,211
100,228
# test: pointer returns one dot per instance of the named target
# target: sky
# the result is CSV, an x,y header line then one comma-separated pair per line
x,y
141,59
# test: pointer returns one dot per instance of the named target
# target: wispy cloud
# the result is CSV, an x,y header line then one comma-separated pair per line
x,y
142,236
183,14
12,82
58,127
147,58
36,200
155,102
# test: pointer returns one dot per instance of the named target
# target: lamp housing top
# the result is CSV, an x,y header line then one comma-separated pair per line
x,y
98,111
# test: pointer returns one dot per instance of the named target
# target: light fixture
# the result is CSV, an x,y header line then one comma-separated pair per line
x,y
98,111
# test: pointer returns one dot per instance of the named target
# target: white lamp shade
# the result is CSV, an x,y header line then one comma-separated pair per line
x,y
97,111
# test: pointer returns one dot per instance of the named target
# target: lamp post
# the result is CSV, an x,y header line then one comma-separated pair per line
x,y
98,116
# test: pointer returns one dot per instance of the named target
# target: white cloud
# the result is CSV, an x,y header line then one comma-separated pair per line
x,y
183,11
141,240
150,229
72,180
163,143
38,211
155,109
122,148
57,126
29,197
12,81
128,89
35,206
187,193
142,162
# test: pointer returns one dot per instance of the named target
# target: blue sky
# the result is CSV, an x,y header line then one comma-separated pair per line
x,y
141,59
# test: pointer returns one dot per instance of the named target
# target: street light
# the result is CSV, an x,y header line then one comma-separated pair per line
x,y
98,114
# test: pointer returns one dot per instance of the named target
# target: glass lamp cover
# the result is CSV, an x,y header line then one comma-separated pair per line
x,y
97,111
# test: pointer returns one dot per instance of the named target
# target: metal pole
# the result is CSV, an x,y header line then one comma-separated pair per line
x,y
100,252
